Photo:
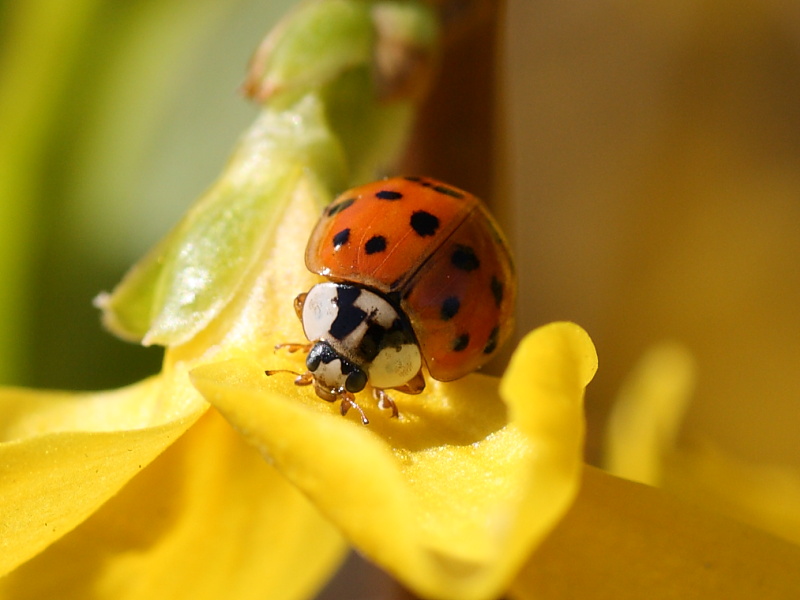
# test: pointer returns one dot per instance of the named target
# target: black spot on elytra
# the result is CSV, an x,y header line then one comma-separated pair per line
x,y
413,178
491,343
497,291
388,195
348,317
464,259
335,209
461,342
341,238
447,191
450,308
377,243
424,223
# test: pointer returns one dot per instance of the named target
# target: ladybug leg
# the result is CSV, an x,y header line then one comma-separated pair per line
x,y
292,348
415,386
348,402
385,401
298,305
306,378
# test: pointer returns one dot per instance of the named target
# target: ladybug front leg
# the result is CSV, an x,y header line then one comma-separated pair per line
x,y
348,402
385,401
413,387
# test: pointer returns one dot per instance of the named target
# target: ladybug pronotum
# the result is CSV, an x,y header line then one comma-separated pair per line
x,y
418,275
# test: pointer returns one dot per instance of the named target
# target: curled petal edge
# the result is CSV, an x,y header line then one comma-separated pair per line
x,y
450,507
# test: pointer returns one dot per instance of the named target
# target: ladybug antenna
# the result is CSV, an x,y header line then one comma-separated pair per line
x,y
275,371
300,378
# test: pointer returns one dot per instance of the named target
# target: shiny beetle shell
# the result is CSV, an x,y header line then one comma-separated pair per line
x,y
436,253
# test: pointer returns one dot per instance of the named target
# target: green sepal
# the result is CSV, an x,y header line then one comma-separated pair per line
x,y
312,46
395,41
188,278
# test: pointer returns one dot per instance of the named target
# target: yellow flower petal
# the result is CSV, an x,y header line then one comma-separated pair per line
x,y
766,496
208,519
648,413
543,387
450,497
628,541
62,455
641,444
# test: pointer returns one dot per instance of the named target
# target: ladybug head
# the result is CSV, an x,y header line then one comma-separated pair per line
x,y
333,373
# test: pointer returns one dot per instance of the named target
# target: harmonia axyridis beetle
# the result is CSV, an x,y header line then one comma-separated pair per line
x,y
419,275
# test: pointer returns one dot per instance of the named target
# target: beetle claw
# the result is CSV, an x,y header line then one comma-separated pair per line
x,y
385,402
348,402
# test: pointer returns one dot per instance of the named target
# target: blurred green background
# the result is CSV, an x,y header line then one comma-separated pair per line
x,y
115,117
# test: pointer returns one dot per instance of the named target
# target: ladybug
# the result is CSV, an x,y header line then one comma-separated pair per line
x,y
418,275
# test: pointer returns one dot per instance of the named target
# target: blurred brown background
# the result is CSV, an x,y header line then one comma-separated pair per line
x,y
656,195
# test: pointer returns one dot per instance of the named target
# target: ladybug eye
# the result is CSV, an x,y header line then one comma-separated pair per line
x,y
314,357
356,381
312,361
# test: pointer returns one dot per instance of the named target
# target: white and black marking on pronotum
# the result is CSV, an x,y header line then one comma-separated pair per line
x,y
377,337
348,316
365,331
385,329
